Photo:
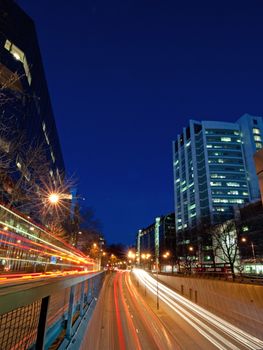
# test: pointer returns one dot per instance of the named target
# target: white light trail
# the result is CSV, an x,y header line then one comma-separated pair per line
x,y
201,319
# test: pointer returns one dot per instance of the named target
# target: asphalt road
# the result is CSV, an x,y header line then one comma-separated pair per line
x,y
126,317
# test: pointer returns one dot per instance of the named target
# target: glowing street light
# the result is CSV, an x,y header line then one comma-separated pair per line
x,y
54,198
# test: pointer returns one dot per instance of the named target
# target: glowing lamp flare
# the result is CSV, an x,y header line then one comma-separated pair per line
x,y
53,198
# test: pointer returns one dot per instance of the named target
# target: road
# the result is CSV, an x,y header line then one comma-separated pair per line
x,y
126,318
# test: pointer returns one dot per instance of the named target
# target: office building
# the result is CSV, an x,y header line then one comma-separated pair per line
x,y
214,170
24,101
157,239
258,159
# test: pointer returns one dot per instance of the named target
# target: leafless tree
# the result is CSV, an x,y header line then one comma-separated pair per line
x,y
225,243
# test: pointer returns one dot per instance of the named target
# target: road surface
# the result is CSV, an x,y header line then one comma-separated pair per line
x,y
126,317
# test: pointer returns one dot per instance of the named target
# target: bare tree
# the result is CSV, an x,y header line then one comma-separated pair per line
x,y
225,243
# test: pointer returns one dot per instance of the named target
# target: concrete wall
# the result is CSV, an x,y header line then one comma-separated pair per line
x,y
240,304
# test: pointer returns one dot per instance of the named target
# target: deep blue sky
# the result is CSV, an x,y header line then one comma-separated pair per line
x,y
125,76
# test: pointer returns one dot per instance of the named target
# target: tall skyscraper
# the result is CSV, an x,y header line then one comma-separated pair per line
x,y
214,169
24,100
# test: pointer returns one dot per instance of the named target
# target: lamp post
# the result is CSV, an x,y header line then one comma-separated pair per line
x,y
244,240
145,257
157,283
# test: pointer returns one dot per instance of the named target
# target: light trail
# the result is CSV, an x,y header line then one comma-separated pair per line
x,y
201,319
118,316
128,317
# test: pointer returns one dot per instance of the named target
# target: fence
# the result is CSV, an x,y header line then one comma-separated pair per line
x,y
45,315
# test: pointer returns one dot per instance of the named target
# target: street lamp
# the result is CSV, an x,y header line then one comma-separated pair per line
x,y
244,240
53,198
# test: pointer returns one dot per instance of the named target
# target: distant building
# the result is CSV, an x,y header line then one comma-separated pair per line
x,y
258,158
214,169
25,103
157,239
250,223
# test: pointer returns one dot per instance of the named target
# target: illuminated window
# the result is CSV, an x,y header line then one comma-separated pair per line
x,y
20,56
18,164
216,176
257,138
258,145
215,183
226,139
245,228
233,192
233,184
256,131
209,146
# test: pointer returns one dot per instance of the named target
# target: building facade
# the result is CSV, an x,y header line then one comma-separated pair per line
x,y
258,159
24,102
157,239
214,170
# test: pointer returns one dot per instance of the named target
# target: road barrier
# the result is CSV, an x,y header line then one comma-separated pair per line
x,y
45,314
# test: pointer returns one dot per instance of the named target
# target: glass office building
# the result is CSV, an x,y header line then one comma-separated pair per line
x,y
214,169
25,100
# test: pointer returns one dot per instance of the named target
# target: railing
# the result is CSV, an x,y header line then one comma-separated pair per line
x,y
43,314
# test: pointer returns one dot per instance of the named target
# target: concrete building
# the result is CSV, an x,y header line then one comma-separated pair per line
x,y
214,169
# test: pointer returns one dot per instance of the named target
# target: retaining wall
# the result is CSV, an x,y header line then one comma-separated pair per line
x,y
241,304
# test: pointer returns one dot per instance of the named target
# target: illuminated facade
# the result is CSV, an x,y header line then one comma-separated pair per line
x,y
157,238
214,169
258,159
25,102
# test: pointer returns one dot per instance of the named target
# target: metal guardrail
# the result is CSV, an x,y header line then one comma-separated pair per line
x,y
239,278
44,314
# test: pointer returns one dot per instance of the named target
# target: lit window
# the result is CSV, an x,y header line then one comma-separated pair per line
x,y
256,131
215,183
226,139
233,192
216,176
236,132
18,164
245,228
258,145
209,146
257,138
233,184
20,56
220,209
220,160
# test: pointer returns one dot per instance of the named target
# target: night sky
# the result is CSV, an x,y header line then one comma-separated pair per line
x,y
125,77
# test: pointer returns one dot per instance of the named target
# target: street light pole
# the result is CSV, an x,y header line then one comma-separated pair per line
x,y
253,252
157,284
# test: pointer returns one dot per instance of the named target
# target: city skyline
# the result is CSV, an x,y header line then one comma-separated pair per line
x,y
169,62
